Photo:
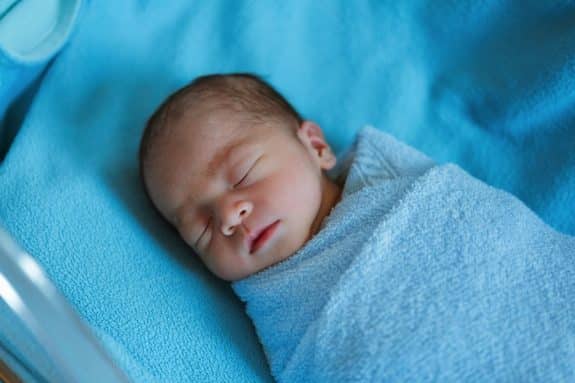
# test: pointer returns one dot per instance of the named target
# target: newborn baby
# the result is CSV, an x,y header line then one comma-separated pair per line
x,y
386,267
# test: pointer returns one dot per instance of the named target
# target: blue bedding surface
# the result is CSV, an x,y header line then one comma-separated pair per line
x,y
488,85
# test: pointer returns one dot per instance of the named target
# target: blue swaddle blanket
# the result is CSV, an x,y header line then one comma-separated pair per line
x,y
420,273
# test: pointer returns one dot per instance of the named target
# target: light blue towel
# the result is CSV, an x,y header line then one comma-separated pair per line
x,y
436,277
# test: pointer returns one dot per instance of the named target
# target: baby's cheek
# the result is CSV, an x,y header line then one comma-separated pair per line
x,y
301,195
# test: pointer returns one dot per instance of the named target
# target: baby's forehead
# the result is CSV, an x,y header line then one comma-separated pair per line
x,y
213,123
215,136
210,147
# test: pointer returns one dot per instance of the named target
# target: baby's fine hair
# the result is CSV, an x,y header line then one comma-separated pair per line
x,y
243,93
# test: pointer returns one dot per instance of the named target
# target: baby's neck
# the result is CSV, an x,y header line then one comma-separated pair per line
x,y
331,194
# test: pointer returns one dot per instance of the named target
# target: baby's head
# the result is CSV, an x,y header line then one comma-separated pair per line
x,y
233,167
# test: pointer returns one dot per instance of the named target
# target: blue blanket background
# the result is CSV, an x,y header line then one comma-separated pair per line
x,y
489,86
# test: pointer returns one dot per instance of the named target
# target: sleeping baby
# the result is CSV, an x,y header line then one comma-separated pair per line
x,y
382,267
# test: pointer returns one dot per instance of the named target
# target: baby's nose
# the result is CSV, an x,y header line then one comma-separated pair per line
x,y
234,215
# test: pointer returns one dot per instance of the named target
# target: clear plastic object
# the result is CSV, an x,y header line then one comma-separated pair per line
x,y
42,339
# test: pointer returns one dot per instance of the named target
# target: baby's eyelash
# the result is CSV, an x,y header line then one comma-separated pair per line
x,y
203,232
247,173
243,178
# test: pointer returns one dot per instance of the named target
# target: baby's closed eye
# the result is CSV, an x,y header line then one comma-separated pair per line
x,y
244,175
242,179
203,232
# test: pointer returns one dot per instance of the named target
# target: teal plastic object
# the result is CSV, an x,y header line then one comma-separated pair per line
x,y
31,33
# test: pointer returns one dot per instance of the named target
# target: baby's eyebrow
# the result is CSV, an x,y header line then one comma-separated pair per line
x,y
221,156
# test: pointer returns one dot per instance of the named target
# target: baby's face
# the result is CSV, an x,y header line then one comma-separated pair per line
x,y
244,196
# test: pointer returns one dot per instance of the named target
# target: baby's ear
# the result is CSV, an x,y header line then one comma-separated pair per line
x,y
311,136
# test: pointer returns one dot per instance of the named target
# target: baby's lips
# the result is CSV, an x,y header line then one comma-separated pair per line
x,y
251,236
262,236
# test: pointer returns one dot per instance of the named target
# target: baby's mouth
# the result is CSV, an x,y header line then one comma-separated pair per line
x,y
263,237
